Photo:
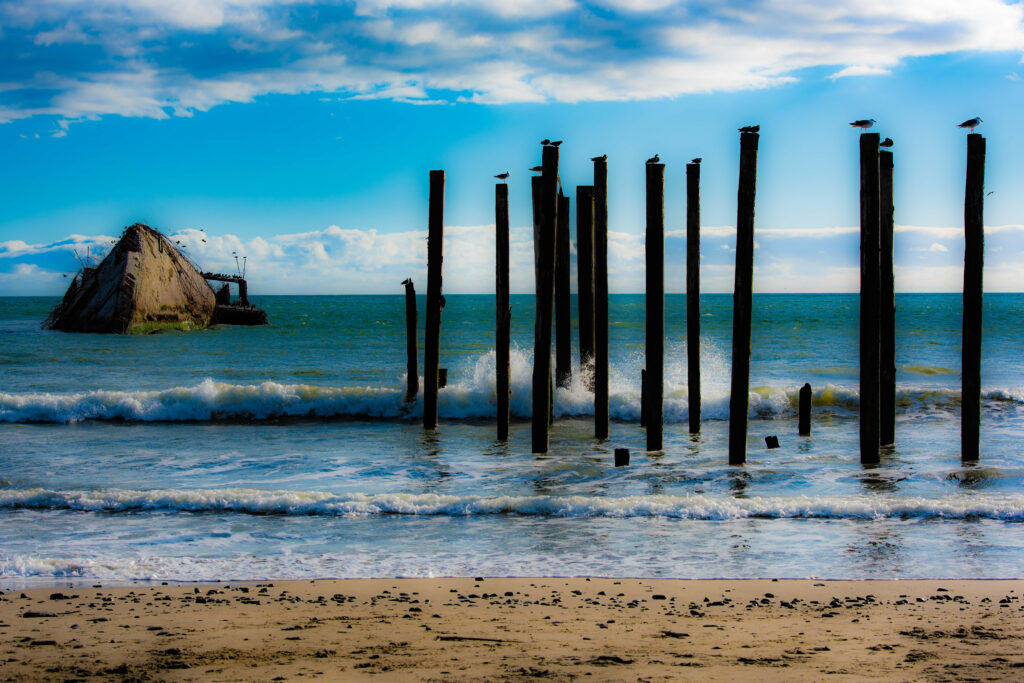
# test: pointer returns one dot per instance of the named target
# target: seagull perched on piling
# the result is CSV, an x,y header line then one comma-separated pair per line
x,y
556,143
886,143
970,124
697,160
750,129
545,142
863,124
653,160
537,169
502,176
603,157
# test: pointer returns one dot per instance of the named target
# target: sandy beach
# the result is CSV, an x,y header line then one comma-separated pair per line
x,y
515,629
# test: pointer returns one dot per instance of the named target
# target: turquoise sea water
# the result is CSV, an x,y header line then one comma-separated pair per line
x,y
286,451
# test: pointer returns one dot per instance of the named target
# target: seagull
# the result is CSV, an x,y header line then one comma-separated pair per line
x,y
556,143
603,157
886,143
407,281
750,129
545,142
653,160
863,124
502,176
970,124
697,160
537,169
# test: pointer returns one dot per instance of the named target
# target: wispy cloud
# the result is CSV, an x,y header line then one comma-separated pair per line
x,y
338,260
83,59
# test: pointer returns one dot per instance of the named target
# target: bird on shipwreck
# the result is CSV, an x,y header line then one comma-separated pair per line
x,y
146,284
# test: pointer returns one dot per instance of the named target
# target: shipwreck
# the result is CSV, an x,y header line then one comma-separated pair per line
x,y
146,284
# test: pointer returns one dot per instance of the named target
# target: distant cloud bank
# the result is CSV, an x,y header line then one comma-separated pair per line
x,y
83,59
352,261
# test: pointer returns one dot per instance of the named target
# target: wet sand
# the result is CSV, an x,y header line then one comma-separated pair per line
x,y
518,629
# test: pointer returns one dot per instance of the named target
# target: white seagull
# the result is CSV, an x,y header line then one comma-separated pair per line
x,y
863,124
970,124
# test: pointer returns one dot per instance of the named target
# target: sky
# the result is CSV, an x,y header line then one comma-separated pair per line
x,y
300,133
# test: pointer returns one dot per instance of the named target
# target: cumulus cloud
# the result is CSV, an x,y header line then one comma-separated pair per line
x,y
83,59
337,260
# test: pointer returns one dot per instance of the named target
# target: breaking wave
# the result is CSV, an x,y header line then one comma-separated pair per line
x,y
693,507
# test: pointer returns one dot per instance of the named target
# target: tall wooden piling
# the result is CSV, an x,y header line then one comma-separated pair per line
x,y
563,298
693,294
544,252
411,351
869,298
886,305
643,398
601,298
805,410
655,298
974,252
742,299
502,309
435,301
585,277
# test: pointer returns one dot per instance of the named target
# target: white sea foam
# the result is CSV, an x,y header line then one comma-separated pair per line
x,y
696,507
471,398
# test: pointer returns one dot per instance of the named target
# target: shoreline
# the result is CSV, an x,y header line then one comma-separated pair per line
x,y
485,628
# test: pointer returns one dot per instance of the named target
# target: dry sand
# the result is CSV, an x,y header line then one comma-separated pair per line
x,y
518,629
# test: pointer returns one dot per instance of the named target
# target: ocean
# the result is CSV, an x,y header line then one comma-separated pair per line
x,y
286,451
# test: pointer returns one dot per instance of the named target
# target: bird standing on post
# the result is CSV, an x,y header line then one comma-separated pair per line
x,y
863,124
750,129
502,176
545,142
555,143
653,160
970,124
537,169
886,143
603,157
697,160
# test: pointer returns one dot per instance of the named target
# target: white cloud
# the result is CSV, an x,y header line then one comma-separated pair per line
x,y
152,58
345,260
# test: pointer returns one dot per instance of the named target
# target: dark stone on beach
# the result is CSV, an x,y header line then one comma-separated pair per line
x,y
37,615
657,596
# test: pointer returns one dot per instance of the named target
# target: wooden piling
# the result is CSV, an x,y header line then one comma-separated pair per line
x,y
974,252
435,301
643,398
544,252
585,277
563,298
655,298
869,289
805,410
693,294
742,302
411,350
886,305
502,309
601,298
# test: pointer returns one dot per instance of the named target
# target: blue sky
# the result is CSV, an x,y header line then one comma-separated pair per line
x,y
301,132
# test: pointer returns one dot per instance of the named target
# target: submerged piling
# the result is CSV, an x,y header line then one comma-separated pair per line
x,y
693,294
503,312
563,298
974,252
435,301
805,410
601,297
411,350
585,277
886,305
742,303
869,287
655,299
544,256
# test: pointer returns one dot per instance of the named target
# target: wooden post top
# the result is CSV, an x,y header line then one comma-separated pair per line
x,y
749,140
